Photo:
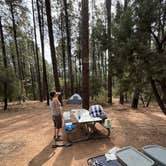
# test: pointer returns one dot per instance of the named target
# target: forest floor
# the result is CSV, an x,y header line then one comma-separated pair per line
x,y
26,135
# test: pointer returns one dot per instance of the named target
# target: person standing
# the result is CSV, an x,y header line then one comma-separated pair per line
x,y
55,107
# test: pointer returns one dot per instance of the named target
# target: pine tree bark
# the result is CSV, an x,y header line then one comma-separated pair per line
x,y
15,40
5,64
126,4
135,99
148,102
37,56
108,7
163,87
85,54
158,98
64,56
71,78
121,100
52,47
41,30
94,68
13,59
143,102
33,81
79,54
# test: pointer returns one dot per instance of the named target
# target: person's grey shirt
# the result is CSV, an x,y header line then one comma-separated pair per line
x,y
54,112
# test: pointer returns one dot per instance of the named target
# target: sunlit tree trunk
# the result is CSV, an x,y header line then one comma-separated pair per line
x,y
41,30
52,47
68,35
15,40
64,55
37,56
33,81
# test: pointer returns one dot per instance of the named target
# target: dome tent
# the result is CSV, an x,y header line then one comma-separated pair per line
x,y
75,99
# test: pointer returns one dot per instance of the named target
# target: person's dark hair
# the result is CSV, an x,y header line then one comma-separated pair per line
x,y
52,94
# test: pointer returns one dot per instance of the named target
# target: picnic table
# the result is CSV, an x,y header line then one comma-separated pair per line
x,y
81,119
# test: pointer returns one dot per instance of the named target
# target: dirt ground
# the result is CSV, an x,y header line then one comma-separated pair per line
x,y
26,135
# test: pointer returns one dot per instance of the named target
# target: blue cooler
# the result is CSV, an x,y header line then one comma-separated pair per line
x,y
69,127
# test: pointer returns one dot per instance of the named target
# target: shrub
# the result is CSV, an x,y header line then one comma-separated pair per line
x,y
101,98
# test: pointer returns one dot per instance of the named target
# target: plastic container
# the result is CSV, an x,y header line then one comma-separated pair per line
x,y
69,127
157,153
66,115
129,156
108,123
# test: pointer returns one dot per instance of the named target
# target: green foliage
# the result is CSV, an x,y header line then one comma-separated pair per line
x,y
13,86
95,85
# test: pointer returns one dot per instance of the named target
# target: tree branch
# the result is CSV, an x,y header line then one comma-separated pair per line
x,y
156,38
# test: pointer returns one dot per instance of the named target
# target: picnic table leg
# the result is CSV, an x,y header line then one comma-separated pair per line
x,y
83,138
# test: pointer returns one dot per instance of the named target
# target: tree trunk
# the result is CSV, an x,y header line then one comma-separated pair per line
x,y
85,54
108,6
126,97
135,99
163,87
148,102
79,55
52,47
158,98
76,75
142,99
33,82
71,78
37,57
13,59
15,40
64,56
41,30
94,70
105,68
121,101
126,4
5,64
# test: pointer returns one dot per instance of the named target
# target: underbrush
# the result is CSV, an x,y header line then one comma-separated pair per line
x,y
101,98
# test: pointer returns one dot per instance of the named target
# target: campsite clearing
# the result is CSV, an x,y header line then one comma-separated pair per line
x,y
26,135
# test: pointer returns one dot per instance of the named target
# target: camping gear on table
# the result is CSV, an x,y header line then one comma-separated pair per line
x,y
75,99
66,116
129,156
157,153
82,115
101,161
